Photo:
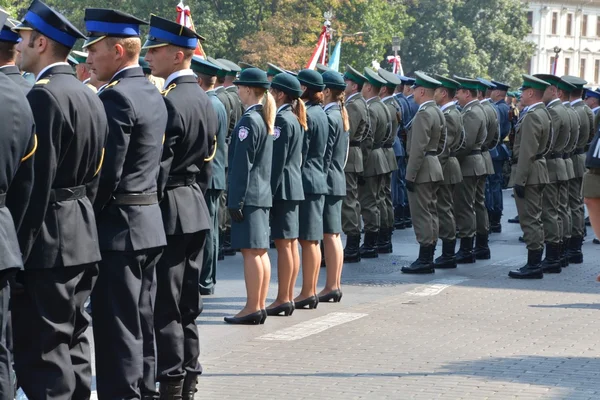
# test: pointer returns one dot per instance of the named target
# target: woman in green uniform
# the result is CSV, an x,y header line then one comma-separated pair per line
x,y
249,197
335,161
286,186
314,183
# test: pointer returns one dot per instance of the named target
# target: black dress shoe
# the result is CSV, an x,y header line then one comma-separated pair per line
x,y
596,241
250,319
514,220
307,304
264,316
286,309
334,296
207,292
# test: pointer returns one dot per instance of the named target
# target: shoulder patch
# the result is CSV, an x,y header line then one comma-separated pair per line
x,y
243,133
276,132
43,82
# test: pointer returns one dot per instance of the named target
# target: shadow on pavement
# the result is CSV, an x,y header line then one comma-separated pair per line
x,y
585,306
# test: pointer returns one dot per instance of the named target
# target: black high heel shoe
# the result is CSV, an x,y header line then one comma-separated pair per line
x,y
309,303
334,295
250,319
286,309
264,316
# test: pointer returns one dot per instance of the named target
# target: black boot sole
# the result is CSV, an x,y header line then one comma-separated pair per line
x,y
552,270
445,266
423,271
385,249
351,260
483,256
576,259
530,276
369,255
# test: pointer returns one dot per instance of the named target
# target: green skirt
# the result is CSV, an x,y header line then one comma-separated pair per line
x,y
253,231
284,219
311,217
332,214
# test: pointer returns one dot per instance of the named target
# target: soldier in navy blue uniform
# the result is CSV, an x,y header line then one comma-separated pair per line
x,y
286,186
184,172
500,154
249,195
206,73
16,180
8,55
59,238
131,231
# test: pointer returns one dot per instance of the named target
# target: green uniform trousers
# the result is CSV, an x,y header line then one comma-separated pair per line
x,y
386,208
368,196
576,204
550,215
529,209
351,206
481,213
224,218
423,208
445,211
208,273
564,210
464,206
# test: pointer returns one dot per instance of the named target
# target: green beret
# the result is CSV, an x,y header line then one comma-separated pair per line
x,y
311,79
273,70
288,84
391,79
373,78
532,82
354,76
334,80
253,77
222,71
424,80
466,83
233,67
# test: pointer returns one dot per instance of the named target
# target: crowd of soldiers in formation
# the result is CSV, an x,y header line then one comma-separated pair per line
x,y
129,195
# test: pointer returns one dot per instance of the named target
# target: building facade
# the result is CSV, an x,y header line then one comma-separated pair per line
x,y
573,27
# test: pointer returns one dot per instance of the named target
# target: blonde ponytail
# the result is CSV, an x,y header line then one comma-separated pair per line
x,y
269,112
299,109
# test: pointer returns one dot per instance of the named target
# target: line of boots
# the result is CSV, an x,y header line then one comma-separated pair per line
x,y
375,243
402,219
184,389
468,254
558,256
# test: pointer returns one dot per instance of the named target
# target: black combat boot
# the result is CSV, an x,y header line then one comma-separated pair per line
x,y
399,217
514,220
564,250
407,217
423,264
369,247
533,268
384,241
496,222
189,386
170,390
221,256
482,248
575,255
227,249
552,262
352,250
448,258
465,254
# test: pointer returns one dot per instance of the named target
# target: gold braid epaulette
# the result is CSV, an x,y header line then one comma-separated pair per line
x,y
168,89
214,152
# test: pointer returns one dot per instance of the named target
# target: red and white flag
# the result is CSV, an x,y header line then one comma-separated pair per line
x,y
184,17
320,53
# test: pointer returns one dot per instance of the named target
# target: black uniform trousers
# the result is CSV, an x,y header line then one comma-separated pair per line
x,y
7,390
208,273
178,306
52,352
123,302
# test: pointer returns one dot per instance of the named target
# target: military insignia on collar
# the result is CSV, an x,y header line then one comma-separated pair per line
x,y
276,132
243,133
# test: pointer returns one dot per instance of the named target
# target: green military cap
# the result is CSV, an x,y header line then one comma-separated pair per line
x,y
233,67
244,65
575,81
447,82
205,67
424,80
322,68
333,80
79,56
253,77
72,61
288,84
273,70
484,85
354,76
145,66
223,70
467,83
293,73
311,79
373,78
391,79
511,94
556,81
532,82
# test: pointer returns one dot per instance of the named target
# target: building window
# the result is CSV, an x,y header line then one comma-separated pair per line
x,y
596,71
528,66
554,22
582,68
584,21
598,26
569,30
552,60
567,65
530,20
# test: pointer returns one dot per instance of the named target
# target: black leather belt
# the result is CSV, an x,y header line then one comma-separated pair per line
x,y
516,160
576,152
355,143
67,194
2,200
388,146
134,199
376,146
484,149
430,153
566,156
175,181
553,156
475,152
594,171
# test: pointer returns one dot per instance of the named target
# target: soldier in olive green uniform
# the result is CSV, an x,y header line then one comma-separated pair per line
x,y
424,171
455,136
384,242
529,173
586,131
482,249
472,166
375,162
552,217
359,127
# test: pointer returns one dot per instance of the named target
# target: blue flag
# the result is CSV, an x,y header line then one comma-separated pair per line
x,y
334,61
